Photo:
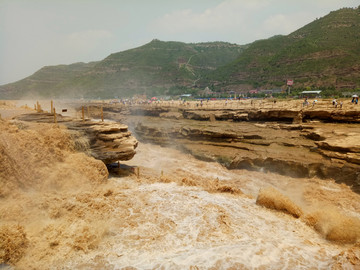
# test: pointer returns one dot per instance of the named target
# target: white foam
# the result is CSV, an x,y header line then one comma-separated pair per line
x,y
254,236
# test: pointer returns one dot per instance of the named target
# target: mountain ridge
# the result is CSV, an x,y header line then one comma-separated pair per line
x,y
328,48
153,68
323,54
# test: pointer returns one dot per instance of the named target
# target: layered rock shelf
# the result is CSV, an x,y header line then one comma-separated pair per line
x,y
106,141
283,137
283,115
291,111
305,150
288,139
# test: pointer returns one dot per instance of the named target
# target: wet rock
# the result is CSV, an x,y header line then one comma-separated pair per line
x,y
343,143
351,116
151,111
241,117
285,138
289,149
286,114
171,115
107,141
225,115
273,115
315,135
197,115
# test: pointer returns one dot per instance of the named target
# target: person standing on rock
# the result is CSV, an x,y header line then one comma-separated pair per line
x,y
306,103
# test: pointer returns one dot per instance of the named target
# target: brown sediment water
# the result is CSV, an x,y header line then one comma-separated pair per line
x,y
179,213
330,222
273,199
13,243
43,157
334,225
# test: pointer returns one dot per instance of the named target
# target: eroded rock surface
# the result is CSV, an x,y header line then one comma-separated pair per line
x,y
284,137
106,141
305,150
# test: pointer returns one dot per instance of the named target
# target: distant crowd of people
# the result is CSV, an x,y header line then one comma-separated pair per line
x,y
335,103
202,102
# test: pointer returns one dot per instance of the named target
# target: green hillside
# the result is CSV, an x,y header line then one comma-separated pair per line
x,y
155,68
324,53
41,83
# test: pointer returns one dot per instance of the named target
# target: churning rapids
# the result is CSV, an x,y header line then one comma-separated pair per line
x,y
59,210
204,224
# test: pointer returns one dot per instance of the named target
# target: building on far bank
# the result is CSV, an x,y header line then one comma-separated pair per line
x,y
310,94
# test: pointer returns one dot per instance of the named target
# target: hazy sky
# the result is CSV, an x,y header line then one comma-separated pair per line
x,y
36,33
